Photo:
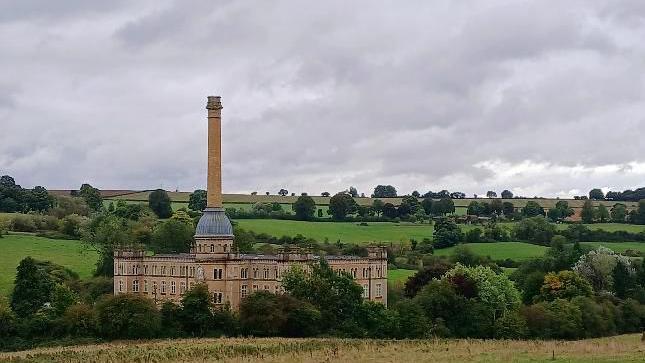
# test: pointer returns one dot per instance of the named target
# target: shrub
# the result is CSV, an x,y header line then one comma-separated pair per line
x,y
93,289
45,222
23,223
535,230
71,225
7,319
78,320
127,316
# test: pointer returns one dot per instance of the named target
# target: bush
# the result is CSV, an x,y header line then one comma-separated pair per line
x,y
79,320
93,289
536,230
71,225
127,317
23,223
7,319
45,222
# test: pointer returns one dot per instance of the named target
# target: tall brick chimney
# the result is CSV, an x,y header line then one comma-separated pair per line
x,y
214,225
214,190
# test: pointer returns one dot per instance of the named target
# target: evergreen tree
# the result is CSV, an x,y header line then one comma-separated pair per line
x,y
587,213
160,203
32,288
197,200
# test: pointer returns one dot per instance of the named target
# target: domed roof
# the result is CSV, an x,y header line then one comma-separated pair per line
x,y
214,223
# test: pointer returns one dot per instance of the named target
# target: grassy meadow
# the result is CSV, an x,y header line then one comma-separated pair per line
x,y
69,254
625,348
346,232
517,251
399,275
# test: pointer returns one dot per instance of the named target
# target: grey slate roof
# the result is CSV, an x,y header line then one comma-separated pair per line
x,y
214,223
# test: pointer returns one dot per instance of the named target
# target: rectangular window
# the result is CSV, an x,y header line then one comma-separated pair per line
x,y
244,273
218,297
365,291
135,286
266,287
173,287
145,286
256,288
182,287
154,287
120,285
163,287
379,290
243,291
217,274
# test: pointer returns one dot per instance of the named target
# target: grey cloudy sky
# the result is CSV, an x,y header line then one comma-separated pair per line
x,y
542,97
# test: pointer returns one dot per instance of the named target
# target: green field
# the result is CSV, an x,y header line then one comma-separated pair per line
x,y
609,227
517,251
399,275
618,247
381,232
69,254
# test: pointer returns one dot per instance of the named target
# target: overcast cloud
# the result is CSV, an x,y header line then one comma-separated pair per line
x,y
541,97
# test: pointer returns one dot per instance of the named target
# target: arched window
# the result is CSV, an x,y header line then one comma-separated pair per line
x,y
212,248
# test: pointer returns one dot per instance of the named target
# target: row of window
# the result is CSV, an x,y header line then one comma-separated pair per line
x,y
244,289
206,248
218,273
366,271
135,269
162,288
378,291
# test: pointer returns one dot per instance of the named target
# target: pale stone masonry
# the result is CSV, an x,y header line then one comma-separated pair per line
x,y
229,275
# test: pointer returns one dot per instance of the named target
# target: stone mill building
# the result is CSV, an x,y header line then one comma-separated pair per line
x,y
214,261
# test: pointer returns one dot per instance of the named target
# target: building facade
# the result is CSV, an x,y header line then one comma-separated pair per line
x,y
229,275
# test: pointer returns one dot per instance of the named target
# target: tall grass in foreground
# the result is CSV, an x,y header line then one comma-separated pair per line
x,y
627,348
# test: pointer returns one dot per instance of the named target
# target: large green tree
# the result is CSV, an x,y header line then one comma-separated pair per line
x,y
160,203
446,233
305,207
172,236
32,288
196,315
596,194
342,204
619,213
587,214
197,200
127,316
92,197
335,294
532,209
384,191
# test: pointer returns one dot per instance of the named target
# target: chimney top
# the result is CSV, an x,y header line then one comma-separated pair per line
x,y
214,103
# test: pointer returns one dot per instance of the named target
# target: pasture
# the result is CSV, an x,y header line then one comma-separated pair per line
x,y
378,232
618,247
625,348
263,198
517,251
609,227
399,275
15,247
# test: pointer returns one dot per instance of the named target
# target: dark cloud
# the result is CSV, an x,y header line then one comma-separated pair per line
x,y
539,96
